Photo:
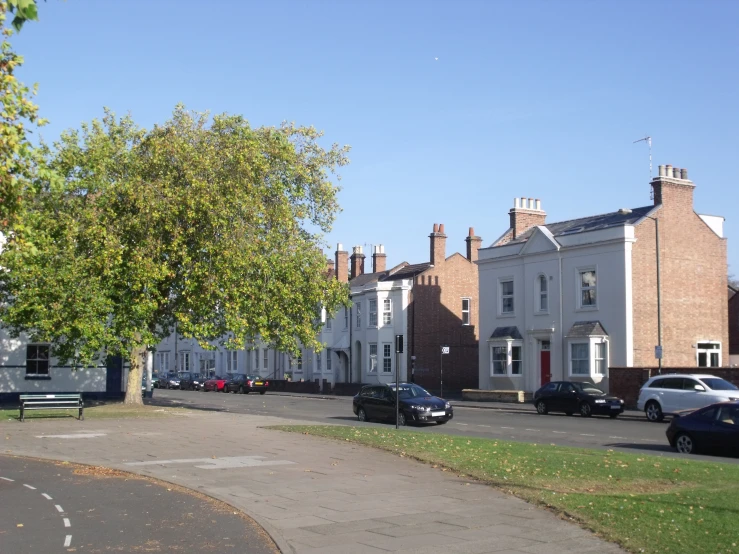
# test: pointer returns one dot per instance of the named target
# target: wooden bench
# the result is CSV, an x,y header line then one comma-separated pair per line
x,y
52,402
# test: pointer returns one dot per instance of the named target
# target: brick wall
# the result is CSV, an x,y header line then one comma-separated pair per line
x,y
436,320
694,281
625,382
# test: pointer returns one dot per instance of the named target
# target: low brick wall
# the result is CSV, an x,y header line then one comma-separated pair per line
x,y
625,382
476,395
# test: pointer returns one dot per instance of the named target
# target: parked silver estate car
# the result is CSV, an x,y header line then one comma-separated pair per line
x,y
670,393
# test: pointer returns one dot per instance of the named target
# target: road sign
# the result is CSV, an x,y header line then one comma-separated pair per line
x,y
658,352
445,350
398,344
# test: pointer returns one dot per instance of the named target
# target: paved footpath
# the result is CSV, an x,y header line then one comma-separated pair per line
x,y
312,495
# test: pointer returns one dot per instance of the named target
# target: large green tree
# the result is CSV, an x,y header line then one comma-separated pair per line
x,y
18,114
208,224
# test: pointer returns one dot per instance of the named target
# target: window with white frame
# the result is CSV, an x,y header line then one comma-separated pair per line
x,y
373,313
207,363
708,354
506,358
506,296
256,359
37,360
184,361
387,311
162,362
299,362
587,283
231,358
328,323
328,360
601,358
373,357
265,358
387,358
542,294
359,315
466,311
580,358
319,367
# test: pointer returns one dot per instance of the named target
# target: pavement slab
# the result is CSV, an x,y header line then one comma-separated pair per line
x,y
310,494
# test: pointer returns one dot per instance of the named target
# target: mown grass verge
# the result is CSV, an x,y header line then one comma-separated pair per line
x,y
102,411
644,503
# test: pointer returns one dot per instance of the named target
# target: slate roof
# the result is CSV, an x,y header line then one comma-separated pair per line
x,y
506,333
365,278
407,272
592,223
584,329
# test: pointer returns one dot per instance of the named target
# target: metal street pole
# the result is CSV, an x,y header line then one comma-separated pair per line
x,y
398,352
659,296
441,375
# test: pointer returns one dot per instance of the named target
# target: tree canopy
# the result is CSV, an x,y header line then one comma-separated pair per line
x,y
209,224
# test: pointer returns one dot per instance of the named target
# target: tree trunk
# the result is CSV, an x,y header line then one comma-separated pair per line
x,y
135,376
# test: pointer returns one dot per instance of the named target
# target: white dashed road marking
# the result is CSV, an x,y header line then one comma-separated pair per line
x,y
59,508
463,424
586,435
218,463
46,496
484,425
68,541
30,487
75,436
533,429
614,437
66,522
6,479
560,432
507,427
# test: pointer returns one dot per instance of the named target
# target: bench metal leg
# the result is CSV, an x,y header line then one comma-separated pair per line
x,y
82,415
22,419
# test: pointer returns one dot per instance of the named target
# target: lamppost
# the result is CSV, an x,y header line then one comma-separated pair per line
x,y
658,350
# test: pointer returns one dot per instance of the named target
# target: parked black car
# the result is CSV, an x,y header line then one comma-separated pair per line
x,y
237,383
417,405
714,428
169,381
573,396
191,381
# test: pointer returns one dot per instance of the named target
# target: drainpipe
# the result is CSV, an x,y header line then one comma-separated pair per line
x,y
351,349
561,330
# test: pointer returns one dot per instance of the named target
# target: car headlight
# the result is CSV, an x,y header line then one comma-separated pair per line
x,y
419,408
447,405
600,401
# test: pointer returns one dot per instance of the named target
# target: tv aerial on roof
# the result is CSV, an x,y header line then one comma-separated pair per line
x,y
648,140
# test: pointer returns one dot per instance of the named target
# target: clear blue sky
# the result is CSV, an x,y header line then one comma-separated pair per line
x,y
541,99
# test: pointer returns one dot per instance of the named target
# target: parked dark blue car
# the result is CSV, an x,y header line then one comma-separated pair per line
x,y
714,428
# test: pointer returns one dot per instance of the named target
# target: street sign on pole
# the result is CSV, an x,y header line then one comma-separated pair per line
x,y
658,352
444,351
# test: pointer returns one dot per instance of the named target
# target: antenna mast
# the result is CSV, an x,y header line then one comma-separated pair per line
x,y
648,140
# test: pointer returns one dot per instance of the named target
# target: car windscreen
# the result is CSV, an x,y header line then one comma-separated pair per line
x,y
412,391
588,388
714,383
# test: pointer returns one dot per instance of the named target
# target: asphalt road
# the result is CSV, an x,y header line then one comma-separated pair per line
x,y
48,507
628,434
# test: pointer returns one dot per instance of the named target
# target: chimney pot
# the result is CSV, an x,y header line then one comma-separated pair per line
x,y
436,227
538,205
676,172
441,228
684,174
472,232
662,171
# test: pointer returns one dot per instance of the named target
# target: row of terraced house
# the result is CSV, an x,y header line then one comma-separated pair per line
x,y
545,301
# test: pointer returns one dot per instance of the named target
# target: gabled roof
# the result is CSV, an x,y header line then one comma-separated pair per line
x,y
366,278
591,223
583,329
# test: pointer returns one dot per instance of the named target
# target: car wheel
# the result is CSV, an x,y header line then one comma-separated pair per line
x,y
653,412
402,421
684,444
585,410
262,391
541,407
362,415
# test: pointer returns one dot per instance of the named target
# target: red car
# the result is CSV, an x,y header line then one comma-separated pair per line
x,y
216,384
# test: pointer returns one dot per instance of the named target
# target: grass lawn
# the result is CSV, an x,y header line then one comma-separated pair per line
x,y
101,411
644,503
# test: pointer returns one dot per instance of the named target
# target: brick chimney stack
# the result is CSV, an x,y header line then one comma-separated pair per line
x,y
330,271
342,264
438,244
525,214
357,262
673,188
473,245
379,259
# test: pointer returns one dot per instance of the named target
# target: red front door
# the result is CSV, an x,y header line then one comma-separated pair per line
x,y
544,363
